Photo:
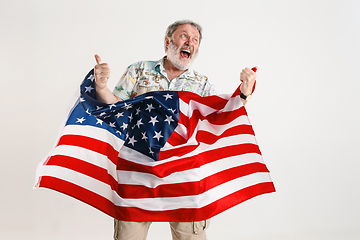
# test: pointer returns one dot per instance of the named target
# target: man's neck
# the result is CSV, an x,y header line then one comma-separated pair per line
x,y
171,71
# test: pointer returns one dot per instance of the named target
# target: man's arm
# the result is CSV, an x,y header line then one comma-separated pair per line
x,y
247,78
102,75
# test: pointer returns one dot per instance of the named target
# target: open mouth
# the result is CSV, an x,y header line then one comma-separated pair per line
x,y
185,53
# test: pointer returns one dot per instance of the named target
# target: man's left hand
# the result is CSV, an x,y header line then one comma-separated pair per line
x,y
247,78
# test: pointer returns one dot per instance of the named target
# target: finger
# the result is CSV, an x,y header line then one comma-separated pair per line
x,y
98,59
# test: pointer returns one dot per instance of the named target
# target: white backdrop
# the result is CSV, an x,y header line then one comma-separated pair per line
x,y
305,109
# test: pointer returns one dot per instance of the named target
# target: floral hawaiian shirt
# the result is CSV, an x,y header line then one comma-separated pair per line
x,y
146,76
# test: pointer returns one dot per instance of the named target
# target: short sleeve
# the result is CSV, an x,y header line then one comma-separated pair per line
x,y
125,86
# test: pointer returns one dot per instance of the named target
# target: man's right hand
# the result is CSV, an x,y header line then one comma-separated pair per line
x,y
102,73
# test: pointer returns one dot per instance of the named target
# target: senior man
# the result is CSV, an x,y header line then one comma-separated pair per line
x,y
172,72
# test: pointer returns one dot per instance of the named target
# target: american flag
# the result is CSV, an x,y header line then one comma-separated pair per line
x,y
162,156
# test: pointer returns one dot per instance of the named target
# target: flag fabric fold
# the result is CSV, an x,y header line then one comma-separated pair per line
x,y
161,156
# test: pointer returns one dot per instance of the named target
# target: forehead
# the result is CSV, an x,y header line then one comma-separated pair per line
x,y
189,29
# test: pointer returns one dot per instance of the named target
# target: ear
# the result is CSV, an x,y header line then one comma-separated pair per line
x,y
167,42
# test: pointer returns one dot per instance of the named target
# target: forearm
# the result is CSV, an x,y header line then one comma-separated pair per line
x,y
106,96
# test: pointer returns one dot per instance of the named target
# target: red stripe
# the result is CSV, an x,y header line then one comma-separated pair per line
x,y
80,193
209,138
85,168
190,188
183,164
221,118
140,215
191,214
176,139
212,101
91,144
216,118
226,151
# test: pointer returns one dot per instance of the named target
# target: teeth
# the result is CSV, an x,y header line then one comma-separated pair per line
x,y
186,50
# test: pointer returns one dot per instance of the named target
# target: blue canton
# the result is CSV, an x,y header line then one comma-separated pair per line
x,y
144,122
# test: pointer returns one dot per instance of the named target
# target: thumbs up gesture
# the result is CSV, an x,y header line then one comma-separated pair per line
x,y
102,73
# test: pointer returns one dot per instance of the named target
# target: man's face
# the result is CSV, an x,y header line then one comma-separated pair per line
x,y
183,46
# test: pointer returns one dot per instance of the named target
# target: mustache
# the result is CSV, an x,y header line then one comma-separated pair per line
x,y
179,49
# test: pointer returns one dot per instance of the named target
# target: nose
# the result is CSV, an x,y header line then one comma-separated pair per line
x,y
187,42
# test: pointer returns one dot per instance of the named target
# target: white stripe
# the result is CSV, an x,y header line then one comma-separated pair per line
x,y
156,204
81,180
198,201
182,130
215,129
223,142
88,156
191,175
219,129
137,157
96,133
233,104
188,109
133,156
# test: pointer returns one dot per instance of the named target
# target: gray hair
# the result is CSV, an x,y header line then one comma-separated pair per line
x,y
172,28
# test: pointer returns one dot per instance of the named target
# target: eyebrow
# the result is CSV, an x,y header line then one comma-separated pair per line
x,y
184,31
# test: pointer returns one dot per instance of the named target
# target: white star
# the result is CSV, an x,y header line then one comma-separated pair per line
x,y
118,132
99,121
138,111
149,107
89,88
153,120
82,99
149,97
127,106
132,140
112,124
130,117
139,123
88,112
144,137
158,135
151,152
102,114
167,96
119,115
169,119
124,126
80,120
91,77
112,105
98,107
173,110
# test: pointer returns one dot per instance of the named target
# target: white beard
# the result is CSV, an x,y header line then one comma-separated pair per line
x,y
173,55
